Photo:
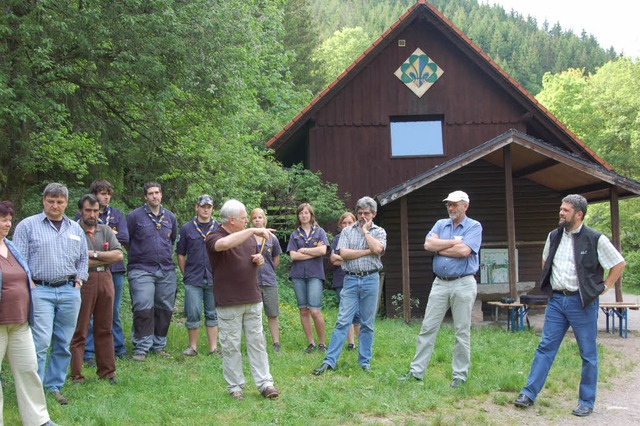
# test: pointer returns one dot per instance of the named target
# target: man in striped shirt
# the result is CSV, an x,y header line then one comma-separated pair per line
x,y
56,251
361,246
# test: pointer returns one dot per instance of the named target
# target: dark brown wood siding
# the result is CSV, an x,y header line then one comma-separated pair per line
x,y
535,215
350,139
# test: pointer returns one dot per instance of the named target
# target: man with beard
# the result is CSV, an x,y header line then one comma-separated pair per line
x,y
152,273
97,294
573,263
455,243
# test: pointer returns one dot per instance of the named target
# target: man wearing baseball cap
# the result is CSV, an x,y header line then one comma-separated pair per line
x,y
455,242
194,264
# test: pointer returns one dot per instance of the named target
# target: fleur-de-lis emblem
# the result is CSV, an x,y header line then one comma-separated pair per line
x,y
419,72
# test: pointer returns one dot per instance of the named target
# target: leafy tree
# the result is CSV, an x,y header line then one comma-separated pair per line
x,y
336,53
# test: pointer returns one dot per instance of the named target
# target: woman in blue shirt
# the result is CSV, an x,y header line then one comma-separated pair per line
x,y
307,246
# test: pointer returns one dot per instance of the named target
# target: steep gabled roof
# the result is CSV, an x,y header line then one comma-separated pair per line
x,y
446,27
537,161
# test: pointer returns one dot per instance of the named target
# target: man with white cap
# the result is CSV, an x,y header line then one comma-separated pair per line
x,y
455,243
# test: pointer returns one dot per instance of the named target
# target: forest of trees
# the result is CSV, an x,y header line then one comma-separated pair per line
x,y
188,92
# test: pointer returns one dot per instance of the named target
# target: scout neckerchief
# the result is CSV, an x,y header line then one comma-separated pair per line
x,y
202,234
158,222
301,234
107,211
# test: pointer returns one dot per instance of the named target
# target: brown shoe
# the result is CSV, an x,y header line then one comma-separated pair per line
x,y
270,392
237,395
61,399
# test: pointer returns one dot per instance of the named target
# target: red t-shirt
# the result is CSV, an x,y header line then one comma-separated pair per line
x,y
235,278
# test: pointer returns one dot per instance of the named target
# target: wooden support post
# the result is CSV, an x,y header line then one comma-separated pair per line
x,y
511,227
404,244
614,210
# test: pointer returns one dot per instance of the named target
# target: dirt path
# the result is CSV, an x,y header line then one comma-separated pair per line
x,y
618,400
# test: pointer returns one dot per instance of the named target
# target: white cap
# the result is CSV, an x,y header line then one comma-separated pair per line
x,y
456,196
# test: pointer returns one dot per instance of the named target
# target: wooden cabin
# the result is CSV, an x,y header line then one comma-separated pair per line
x,y
423,112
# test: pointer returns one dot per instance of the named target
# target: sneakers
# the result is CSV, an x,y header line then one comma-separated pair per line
x,y
523,401
190,351
237,395
216,351
161,353
139,357
351,347
310,348
276,347
320,370
270,392
456,383
322,348
409,377
582,411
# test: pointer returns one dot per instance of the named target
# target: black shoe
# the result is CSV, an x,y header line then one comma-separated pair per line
x,y
582,411
523,401
351,347
322,348
320,370
456,383
409,377
310,348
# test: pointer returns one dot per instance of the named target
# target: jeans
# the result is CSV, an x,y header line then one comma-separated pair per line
x,y
356,318
459,295
194,298
116,328
153,297
55,315
561,312
359,294
16,343
233,320
308,292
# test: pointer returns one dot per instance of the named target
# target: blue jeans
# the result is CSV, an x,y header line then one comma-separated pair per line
x,y
308,292
561,312
55,313
194,299
116,328
356,318
359,294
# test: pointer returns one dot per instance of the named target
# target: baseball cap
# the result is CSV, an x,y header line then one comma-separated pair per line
x,y
204,200
456,196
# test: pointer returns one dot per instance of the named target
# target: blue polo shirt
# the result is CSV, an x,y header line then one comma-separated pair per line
x,y
314,267
471,232
191,245
150,248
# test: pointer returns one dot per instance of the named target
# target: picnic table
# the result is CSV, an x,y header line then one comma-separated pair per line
x,y
619,311
516,313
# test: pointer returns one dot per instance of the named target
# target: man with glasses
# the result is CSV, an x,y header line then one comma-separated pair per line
x,y
361,246
455,242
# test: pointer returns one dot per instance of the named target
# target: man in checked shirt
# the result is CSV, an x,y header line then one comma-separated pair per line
x,y
56,251
361,246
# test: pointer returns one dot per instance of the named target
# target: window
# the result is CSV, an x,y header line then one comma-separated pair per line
x,y
416,137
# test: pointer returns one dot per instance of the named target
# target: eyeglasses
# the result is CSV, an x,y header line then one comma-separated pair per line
x,y
361,213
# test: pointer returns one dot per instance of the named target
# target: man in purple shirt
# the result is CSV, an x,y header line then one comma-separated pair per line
x,y
193,262
152,273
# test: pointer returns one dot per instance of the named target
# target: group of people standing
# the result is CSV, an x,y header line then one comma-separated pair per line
x,y
61,286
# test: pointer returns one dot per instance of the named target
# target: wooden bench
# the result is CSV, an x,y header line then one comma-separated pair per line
x,y
619,310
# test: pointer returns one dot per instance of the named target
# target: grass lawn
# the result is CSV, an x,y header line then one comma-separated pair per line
x,y
191,391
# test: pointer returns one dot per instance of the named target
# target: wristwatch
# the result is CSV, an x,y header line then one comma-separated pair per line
x,y
95,254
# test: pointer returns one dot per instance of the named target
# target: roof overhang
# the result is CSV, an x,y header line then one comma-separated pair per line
x,y
535,160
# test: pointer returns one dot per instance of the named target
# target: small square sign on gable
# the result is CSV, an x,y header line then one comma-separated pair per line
x,y
419,72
